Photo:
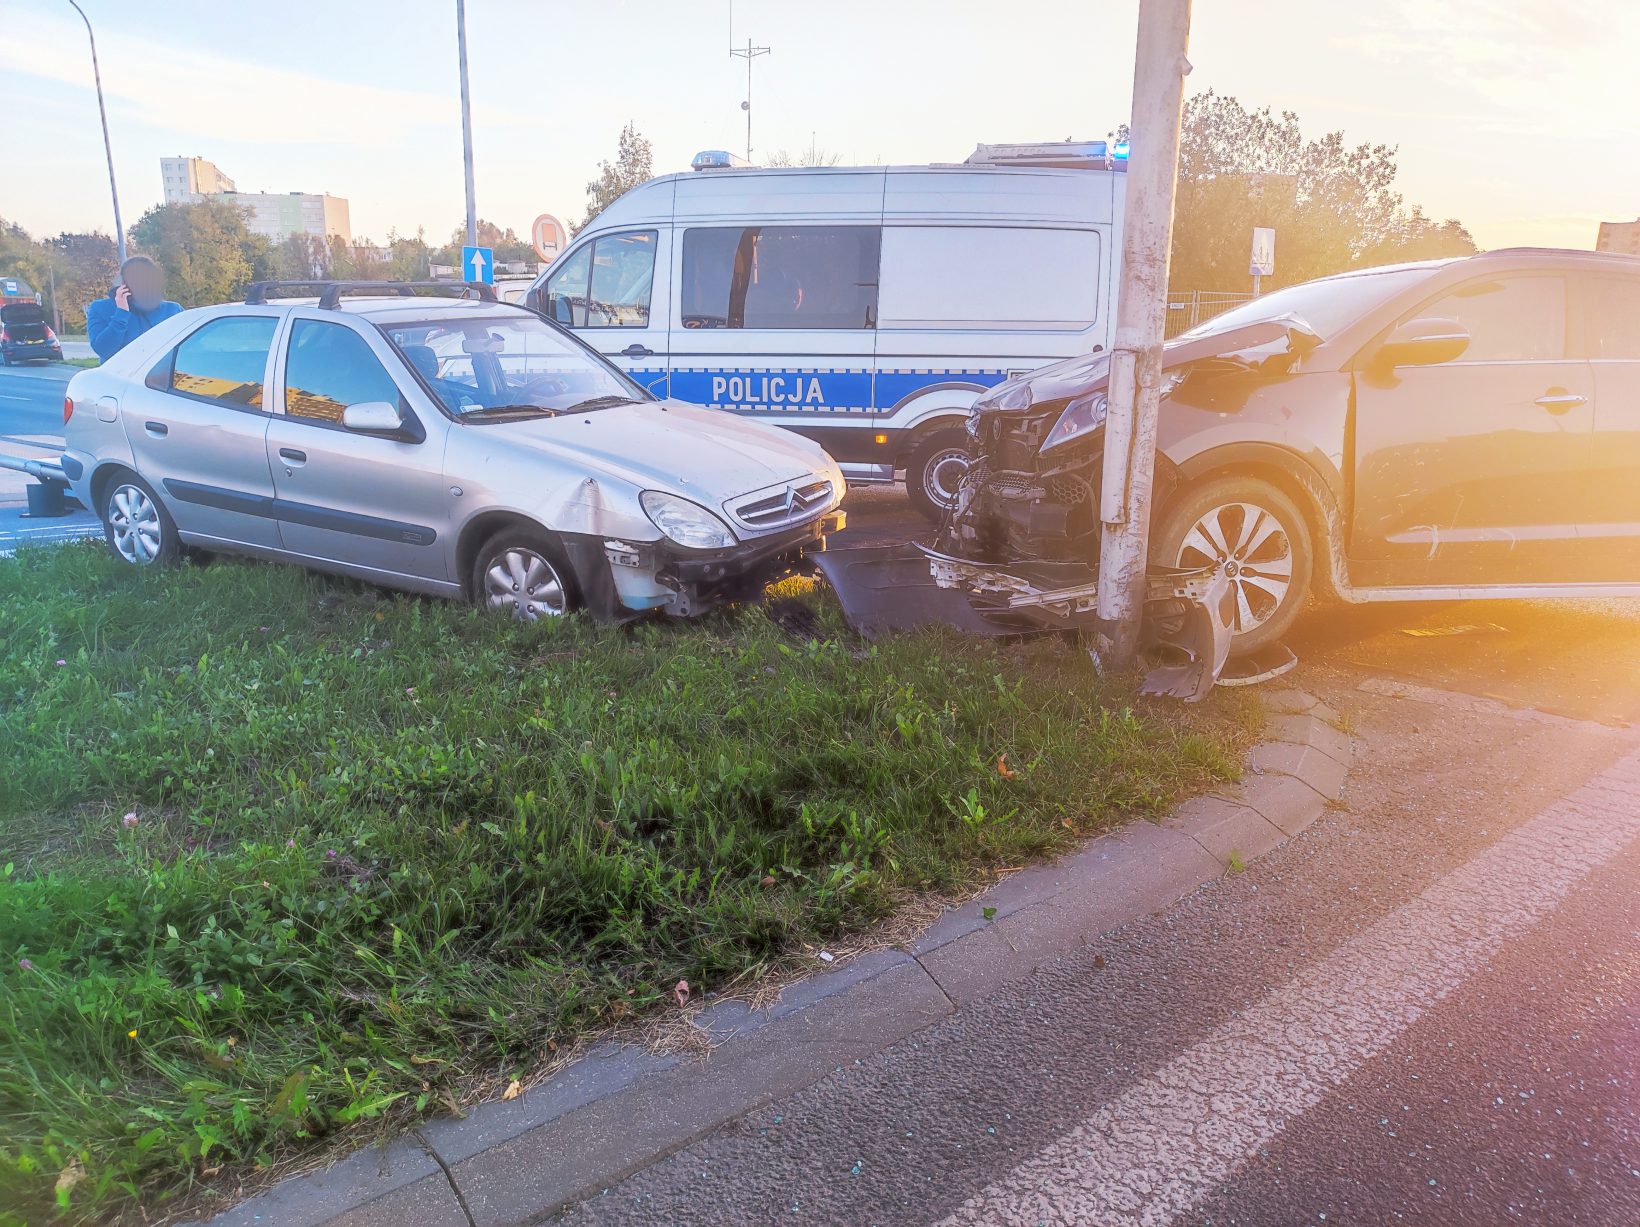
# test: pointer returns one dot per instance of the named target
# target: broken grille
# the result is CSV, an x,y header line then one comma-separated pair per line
x,y
788,504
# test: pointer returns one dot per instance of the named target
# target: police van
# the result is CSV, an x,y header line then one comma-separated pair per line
x,y
864,307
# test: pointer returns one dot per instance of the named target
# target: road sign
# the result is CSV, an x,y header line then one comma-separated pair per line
x,y
547,233
1263,262
478,264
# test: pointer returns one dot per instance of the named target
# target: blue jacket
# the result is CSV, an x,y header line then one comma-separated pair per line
x,y
111,329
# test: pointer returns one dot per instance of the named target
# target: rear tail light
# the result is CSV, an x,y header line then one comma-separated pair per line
x,y
68,409
50,335
4,336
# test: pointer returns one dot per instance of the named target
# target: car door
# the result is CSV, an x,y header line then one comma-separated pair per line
x,y
198,430
359,500
1476,470
1609,332
612,290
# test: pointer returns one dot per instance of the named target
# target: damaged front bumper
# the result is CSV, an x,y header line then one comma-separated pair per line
x,y
621,579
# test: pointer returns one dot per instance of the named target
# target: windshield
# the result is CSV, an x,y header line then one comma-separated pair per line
x,y
1328,306
509,364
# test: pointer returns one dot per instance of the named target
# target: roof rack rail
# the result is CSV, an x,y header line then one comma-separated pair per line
x,y
331,292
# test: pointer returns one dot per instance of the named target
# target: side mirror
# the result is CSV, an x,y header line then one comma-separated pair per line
x,y
1423,342
532,300
373,417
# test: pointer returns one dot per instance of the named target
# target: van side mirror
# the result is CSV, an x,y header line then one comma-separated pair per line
x,y
1423,342
373,417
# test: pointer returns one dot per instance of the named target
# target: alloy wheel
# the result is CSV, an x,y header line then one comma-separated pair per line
x,y
134,520
525,584
1251,547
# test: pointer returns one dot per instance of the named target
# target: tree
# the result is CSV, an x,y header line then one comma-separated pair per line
x,y
812,156
83,267
208,254
1333,205
504,243
634,164
407,259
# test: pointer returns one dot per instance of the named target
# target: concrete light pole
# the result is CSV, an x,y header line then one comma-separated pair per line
x,y
466,123
1134,393
108,151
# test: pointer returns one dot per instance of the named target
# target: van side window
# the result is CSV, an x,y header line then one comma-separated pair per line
x,y
605,284
990,277
780,276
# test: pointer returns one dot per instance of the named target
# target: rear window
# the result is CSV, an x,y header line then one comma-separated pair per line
x,y
987,277
225,360
780,276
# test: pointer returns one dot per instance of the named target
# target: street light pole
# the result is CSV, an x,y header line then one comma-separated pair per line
x,y
1134,389
749,53
108,150
466,123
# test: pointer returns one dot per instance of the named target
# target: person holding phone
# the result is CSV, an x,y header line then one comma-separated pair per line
x,y
135,304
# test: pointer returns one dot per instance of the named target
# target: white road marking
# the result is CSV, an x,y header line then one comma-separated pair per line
x,y
1148,1156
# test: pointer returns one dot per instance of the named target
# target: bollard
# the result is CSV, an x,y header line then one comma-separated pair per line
x,y
46,499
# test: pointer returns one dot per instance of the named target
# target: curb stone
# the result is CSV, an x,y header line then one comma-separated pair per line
x,y
621,1108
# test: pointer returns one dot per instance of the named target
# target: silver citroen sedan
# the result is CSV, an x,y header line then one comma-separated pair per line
x,y
462,447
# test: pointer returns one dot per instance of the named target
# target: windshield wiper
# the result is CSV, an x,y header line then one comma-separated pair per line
x,y
494,412
603,402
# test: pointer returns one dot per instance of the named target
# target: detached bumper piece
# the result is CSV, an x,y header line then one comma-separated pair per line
x,y
1185,633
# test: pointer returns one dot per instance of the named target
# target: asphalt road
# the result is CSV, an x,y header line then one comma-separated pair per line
x,y
31,398
1422,1011
31,415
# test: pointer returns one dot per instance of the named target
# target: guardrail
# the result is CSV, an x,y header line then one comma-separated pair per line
x,y
50,497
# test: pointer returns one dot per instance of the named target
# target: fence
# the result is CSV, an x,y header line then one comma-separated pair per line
x,y
1187,308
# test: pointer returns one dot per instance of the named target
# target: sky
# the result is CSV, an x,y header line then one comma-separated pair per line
x,y
1518,117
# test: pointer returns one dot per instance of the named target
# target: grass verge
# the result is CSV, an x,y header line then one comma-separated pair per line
x,y
281,854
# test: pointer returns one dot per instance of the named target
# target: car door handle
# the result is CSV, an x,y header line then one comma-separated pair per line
x,y
635,350
158,429
1558,400
292,456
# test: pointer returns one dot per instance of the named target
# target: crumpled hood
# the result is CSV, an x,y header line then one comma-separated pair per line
x,y
1090,372
705,455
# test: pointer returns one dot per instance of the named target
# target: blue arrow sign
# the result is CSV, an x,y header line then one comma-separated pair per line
x,y
478,264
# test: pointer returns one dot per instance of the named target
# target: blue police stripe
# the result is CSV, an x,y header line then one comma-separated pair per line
x,y
829,390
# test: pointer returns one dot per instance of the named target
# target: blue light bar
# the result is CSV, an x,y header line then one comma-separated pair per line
x,y
1119,149
716,159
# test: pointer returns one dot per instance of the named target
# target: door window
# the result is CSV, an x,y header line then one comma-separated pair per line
x,y
329,367
1509,319
1611,318
781,277
605,284
225,360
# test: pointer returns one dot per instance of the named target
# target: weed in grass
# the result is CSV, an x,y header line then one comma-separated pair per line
x,y
388,851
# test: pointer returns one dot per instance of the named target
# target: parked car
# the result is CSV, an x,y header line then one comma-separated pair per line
x,y
866,308
462,447
25,336
1448,429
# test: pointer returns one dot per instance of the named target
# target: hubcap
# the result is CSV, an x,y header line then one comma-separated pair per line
x,y
134,521
1251,547
525,584
945,470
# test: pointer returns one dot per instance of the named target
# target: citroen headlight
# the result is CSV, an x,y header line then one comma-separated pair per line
x,y
688,524
1082,417
1005,398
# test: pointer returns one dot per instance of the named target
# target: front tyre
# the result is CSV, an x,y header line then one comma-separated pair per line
x,y
138,529
1252,532
523,572
935,471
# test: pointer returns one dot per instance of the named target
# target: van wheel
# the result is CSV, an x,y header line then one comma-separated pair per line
x,y
522,571
1253,532
138,529
934,472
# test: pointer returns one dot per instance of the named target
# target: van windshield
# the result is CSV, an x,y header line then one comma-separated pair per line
x,y
512,364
